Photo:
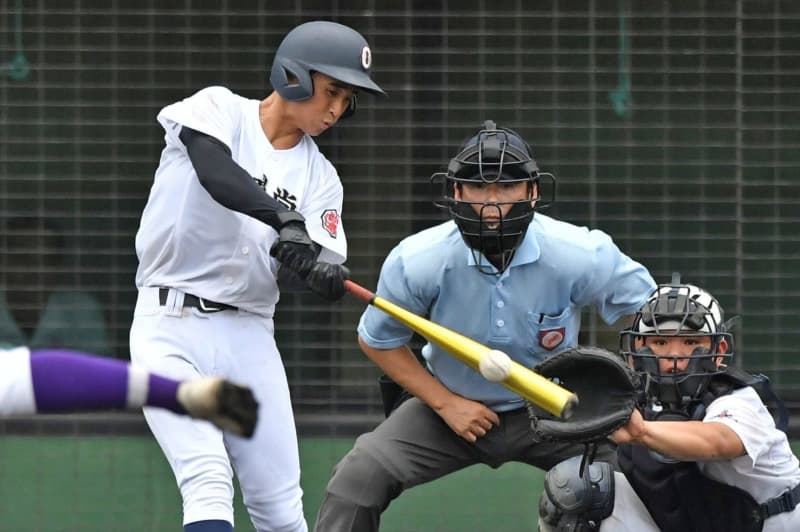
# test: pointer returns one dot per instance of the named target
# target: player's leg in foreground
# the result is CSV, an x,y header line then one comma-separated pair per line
x,y
51,381
203,459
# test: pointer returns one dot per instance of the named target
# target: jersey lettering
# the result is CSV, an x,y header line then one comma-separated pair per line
x,y
281,195
261,182
286,198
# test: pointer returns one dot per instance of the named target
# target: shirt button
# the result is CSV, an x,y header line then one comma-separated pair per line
x,y
229,280
500,323
500,304
245,250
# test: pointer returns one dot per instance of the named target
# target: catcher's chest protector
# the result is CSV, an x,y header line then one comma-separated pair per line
x,y
681,499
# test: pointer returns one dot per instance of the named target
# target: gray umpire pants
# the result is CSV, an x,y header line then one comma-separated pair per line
x,y
414,446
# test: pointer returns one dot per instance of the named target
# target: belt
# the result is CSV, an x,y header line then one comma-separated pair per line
x,y
785,502
203,305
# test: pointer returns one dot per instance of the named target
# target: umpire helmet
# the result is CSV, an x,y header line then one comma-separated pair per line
x,y
327,47
679,310
492,154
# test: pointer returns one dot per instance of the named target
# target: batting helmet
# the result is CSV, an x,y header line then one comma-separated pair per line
x,y
326,47
493,154
679,310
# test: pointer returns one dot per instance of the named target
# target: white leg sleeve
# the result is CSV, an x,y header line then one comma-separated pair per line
x,y
138,386
16,384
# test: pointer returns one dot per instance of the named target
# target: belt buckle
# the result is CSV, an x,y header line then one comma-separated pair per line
x,y
206,308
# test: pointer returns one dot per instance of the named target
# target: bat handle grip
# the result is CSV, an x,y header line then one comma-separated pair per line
x,y
359,291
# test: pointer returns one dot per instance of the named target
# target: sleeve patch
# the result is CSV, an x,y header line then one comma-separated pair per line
x,y
330,221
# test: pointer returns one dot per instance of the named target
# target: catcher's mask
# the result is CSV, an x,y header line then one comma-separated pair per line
x,y
683,311
492,155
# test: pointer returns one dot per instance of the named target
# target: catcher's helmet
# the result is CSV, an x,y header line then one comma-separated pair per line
x,y
678,310
493,154
327,47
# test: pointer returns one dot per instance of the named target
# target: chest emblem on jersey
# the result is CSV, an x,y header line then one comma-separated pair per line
x,y
330,222
551,338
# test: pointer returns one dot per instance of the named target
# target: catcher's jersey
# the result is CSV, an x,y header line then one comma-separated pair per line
x,y
16,386
530,311
188,241
768,467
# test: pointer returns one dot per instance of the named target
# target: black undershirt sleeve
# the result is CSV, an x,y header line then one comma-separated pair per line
x,y
227,182
231,186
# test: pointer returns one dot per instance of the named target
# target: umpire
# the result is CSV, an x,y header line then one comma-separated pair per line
x,y
501,276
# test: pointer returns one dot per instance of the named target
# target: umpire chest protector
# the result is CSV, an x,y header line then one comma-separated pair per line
x,y
677,495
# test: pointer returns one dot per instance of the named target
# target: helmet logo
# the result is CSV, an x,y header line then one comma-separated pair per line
x,y
330,222
551,338
366,57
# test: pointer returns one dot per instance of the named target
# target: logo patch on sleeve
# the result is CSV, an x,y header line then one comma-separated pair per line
x,y
330,222
551,338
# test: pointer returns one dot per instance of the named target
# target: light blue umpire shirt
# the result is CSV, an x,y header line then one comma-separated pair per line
x,y
530,311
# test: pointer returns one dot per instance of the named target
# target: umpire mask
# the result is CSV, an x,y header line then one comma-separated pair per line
x,y
492,155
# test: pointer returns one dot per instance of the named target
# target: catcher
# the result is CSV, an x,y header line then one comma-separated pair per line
x,y
702,453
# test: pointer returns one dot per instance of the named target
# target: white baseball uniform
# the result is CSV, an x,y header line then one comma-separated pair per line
x,y
767,468
191,244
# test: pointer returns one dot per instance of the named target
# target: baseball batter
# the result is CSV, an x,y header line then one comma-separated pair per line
x,y
703,455
52,381
501,276
241,196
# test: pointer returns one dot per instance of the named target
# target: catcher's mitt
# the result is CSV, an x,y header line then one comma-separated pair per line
x,y
607,390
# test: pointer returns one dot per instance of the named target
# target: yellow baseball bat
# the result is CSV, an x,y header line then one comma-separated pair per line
x,y
520,380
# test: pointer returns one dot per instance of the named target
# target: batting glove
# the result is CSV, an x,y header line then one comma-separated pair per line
x,y
327,280
323,278
292,235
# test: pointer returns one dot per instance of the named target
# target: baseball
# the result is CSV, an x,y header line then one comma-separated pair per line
x,y
495,365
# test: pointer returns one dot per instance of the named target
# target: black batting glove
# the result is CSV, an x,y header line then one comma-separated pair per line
x,y
292,235
327,280
293,258
295,250
323,278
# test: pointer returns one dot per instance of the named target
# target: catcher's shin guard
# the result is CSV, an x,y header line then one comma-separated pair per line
x,y
574,503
